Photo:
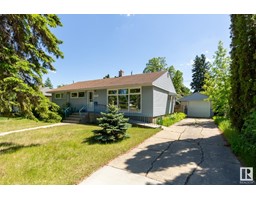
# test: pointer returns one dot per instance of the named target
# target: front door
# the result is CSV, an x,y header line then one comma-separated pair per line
x,y
90,104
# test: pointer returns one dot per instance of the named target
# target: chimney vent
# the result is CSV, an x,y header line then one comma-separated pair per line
x,y
121,73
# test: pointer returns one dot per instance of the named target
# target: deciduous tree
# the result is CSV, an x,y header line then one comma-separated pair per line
x,y
155,65
177,79
217,82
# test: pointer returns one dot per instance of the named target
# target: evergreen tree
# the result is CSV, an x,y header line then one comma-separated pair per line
x,y
27,52
243,67
107,76
217,82
48,83
200,67
114,126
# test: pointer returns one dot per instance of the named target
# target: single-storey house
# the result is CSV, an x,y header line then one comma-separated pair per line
x,y
196,105
138,96
45,90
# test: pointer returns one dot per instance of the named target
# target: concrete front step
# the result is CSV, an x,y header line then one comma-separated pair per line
x,y
74,118
78,114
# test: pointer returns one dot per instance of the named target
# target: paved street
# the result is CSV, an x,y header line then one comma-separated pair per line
x,y
192,151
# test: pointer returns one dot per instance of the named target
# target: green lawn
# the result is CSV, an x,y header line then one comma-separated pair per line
x,y
17,124
59,155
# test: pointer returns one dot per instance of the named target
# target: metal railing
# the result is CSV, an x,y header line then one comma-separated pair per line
x,y
83,108
67,111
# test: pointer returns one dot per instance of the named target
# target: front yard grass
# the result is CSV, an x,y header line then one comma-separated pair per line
x,y
12,124
59,155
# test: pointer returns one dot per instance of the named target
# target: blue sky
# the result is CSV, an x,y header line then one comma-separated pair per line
x,y
97,45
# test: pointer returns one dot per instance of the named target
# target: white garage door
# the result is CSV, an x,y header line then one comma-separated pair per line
x,y
199,109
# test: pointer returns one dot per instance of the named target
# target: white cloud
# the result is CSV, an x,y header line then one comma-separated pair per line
x,y
188,64
54,72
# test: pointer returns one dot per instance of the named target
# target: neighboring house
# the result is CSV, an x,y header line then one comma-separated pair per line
x,y
45,90
140,96
196,105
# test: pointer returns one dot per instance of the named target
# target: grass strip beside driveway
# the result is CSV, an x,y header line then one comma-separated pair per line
x,y
59,155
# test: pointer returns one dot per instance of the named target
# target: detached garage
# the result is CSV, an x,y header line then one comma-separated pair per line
x,y
195,105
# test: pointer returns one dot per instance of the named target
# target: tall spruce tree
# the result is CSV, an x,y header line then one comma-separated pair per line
x,y
243,67
48,83
200,68
27,51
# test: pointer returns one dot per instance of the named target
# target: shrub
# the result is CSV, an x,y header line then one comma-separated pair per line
x,y
168,120
240,145
114,126
249,128
47,111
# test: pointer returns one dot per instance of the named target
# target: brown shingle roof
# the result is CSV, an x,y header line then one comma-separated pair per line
x,y
132,80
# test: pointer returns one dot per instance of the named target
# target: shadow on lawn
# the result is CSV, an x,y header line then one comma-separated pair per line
x,y
10,147
92,140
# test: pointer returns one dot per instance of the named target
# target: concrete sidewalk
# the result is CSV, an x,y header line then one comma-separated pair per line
x,y
192,151
34,128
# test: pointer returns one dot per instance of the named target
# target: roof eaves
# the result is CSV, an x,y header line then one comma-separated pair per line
x,y
99,88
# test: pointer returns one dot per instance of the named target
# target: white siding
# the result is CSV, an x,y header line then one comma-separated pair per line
x,y
101,96
161,103
78,103
147,101
199,109
60,102
165,82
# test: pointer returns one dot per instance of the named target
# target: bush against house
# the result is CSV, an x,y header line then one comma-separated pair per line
x,y
114,126
169,120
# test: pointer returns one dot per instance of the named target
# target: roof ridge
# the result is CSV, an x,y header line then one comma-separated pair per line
x,y
135,79
119,77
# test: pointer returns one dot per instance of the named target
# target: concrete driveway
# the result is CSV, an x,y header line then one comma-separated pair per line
x,y
192,151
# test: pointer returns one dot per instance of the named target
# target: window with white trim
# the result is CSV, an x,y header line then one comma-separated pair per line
x,y
127,100
59,96
81,94
74,94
